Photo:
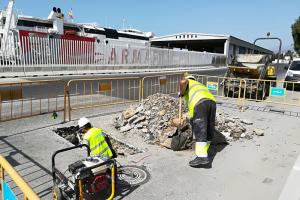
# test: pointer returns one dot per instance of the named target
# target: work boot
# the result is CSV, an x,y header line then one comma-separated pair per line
x,y
198,161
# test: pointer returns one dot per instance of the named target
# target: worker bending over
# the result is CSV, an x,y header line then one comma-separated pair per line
x,y
202,112
95,139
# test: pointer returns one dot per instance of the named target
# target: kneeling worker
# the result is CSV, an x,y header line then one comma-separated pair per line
x,y
202,112
95,138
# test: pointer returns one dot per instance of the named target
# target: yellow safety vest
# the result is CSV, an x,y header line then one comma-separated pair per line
x,y
194,93
97,143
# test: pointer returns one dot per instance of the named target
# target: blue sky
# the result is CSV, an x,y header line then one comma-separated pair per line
x,y
244,19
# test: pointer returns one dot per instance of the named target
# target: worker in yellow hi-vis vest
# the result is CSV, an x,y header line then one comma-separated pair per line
x,y
202,112
96,139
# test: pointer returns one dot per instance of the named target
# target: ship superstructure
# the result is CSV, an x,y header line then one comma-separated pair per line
x,y
27,39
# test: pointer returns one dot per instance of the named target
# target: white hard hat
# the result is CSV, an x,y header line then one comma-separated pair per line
x,y
190,77
83,121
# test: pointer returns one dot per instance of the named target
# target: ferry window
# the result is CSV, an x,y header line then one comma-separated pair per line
x,y
179,36
183,36
176,37
187,36
191,36
195,36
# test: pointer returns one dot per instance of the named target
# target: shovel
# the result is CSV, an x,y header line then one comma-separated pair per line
x,y
78,137
178,139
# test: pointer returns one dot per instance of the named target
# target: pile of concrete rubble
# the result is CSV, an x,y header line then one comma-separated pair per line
x,y
234,128
156,120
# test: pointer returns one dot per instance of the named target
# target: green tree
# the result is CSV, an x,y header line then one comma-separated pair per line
x,y
296,35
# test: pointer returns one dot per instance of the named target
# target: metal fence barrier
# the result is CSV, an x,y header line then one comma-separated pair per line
x,y
271,92
224,87
29,98
25,99
169,84
28,193
100,92
89,93
166,84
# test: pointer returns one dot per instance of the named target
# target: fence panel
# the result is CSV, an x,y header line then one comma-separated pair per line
x,y
245,91
88,93
166,84
273,91
25,99
224,87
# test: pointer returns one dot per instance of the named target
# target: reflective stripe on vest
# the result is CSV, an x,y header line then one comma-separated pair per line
x,y
97,142
195,92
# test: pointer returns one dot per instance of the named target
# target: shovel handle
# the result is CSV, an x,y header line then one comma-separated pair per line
x,y
180,111
79,139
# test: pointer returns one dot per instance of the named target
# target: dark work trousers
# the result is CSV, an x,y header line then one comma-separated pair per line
x,y
203,122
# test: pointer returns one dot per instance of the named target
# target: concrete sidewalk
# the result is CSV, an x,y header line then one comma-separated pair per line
x,y
291,188
245,169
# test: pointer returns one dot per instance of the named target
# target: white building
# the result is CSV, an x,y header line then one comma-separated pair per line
x,y
226,44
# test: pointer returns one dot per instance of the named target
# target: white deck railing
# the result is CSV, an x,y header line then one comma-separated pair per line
x,y
51,52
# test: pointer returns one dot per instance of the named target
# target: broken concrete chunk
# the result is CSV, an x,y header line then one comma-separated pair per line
x,y
148,112
129,113
226,134
139,126
258,132
144,130
169,132
167,143
176,122
126,128
236,134
139,119
145,123
243,128
132,119
162,113
231,125
238,130
247,122
140,108
227,120
155,108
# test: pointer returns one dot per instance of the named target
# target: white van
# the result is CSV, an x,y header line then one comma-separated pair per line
x,y
293,74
